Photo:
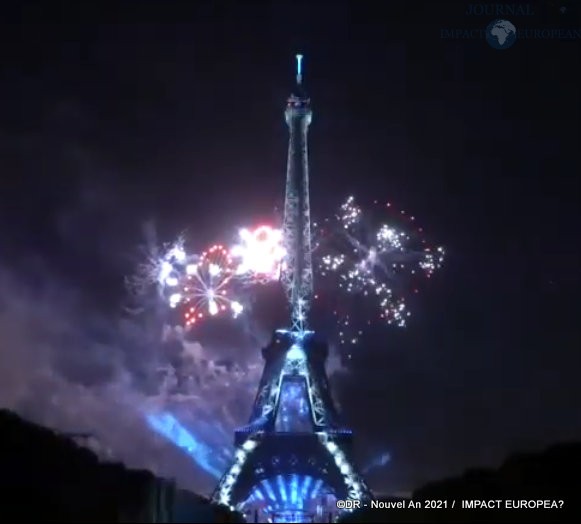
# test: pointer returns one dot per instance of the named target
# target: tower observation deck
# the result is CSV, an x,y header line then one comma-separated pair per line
x,y
293,459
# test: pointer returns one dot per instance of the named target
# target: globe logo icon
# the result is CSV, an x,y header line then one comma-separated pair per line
x,y
500,34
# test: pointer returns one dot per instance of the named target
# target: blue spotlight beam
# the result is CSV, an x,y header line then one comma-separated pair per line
x,y
169,427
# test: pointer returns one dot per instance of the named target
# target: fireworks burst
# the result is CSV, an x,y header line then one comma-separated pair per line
x,y
198,283
166,270
367,263
206,288
260,254
373,262
206,285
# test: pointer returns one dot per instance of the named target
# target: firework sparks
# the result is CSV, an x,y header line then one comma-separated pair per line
x,y
259,254
367,261
374,262
205,290
198,283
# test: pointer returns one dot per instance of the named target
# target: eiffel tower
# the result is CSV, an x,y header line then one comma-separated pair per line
x,y
294,459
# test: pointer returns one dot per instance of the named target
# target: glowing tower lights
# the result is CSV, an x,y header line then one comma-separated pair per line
x,y
294,449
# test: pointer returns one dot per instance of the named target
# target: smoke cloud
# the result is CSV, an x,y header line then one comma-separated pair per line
x,y
68,368
75,358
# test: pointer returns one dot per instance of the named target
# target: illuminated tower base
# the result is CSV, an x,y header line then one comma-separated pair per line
x,y
292,461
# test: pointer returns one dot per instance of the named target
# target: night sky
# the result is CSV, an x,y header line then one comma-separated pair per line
x,y
170,114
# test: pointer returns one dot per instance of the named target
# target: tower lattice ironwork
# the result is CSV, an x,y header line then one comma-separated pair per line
x,y
293,453
297,275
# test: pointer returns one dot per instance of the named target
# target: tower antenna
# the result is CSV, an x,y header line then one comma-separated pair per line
x,y
299,69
